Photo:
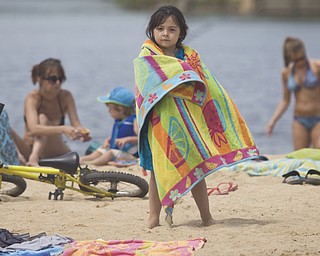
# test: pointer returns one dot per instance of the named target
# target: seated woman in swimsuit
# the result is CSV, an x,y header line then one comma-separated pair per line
x,y
44,114
301,77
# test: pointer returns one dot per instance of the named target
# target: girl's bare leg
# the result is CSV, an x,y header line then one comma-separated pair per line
x,y
154,204
199,193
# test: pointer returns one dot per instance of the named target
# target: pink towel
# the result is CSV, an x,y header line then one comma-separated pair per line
x,y
134,247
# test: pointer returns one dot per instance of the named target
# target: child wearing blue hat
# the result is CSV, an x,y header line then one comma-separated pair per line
x,y
121,147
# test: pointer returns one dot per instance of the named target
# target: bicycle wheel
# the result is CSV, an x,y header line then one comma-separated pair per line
x,y
121,184
12,185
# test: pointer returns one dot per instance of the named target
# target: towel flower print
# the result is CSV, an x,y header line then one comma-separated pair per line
x,y
199,173
199,96
185,76
174,194
152,97
252,152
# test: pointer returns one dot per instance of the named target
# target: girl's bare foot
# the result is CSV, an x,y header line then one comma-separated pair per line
x,y
153,222
208,221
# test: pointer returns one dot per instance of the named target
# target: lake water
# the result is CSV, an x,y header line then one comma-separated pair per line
x,y
97,42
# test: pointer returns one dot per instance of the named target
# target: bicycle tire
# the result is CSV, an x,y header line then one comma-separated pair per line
x,y
12,185
119,183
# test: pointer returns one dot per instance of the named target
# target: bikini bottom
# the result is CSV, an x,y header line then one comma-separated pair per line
x,y
308,122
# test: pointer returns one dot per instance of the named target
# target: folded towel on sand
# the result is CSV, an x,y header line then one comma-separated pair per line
x,y
305,153
276,167
133,247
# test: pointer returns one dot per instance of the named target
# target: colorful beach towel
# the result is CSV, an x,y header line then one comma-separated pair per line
x,y
8,151
134,248
305,153
189,126
276,167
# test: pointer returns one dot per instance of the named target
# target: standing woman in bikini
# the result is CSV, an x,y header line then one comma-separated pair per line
x,y
44,115
301,77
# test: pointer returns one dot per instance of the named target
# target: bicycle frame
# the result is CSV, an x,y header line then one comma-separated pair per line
x,y
56,177
64,172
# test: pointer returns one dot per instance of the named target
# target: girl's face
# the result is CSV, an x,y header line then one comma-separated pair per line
x,y
167,35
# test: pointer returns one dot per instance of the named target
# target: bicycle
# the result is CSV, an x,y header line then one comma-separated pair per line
x,y
65,172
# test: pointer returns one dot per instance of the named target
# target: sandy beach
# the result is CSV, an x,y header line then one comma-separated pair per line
x,y
262,217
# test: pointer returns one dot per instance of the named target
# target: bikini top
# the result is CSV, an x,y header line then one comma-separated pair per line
x,y
311,80
62,119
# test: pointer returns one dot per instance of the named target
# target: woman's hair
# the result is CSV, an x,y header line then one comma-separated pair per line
x,y
45,67
160,17
292,45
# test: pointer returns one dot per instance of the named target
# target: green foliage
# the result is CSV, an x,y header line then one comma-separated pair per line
x,y
136,4
186,5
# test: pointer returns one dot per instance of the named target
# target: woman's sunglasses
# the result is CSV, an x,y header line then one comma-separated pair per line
x,y
53,79
299,59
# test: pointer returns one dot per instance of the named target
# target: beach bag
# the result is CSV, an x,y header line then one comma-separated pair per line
x,y
7,238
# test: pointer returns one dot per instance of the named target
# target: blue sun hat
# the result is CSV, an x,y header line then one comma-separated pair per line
x,y
120,96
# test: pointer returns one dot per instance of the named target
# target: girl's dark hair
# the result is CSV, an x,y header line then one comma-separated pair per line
x,y
159,17
43,69
292,45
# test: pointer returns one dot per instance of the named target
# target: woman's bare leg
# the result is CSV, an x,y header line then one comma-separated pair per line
x,y
200,195
39,143
49,146
23,149
315,136
44,146
55,146
38,146
154,203
300,136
